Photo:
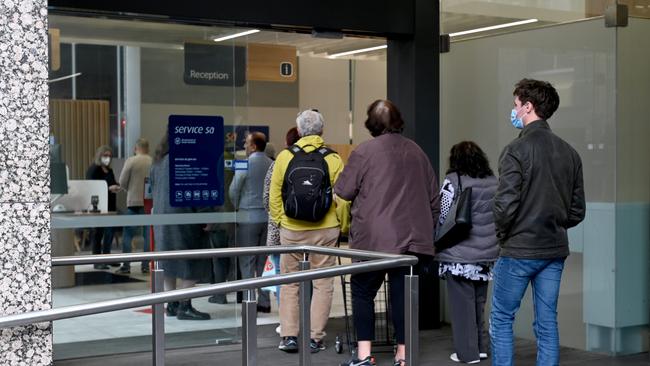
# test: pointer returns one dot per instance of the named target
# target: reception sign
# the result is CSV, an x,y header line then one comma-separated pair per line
x,y
218,65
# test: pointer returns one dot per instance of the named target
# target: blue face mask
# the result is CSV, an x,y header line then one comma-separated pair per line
x,y
517,122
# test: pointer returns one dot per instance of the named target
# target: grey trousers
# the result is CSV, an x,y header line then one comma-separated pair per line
x,y
250,266
467,305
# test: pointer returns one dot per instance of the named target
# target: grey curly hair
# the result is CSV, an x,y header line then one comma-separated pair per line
x,y
310,122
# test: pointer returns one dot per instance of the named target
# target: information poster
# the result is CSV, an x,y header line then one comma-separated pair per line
x,y
196,147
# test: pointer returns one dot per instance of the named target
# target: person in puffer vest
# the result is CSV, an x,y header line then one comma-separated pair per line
x,y
467,266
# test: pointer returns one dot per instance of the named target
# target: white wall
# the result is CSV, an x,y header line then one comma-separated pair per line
x,y
324,85
369,85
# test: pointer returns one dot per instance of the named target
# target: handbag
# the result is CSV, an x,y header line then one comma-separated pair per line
x,y
458,222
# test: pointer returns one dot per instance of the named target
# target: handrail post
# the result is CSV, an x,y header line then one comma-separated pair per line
x,y
411,322
249,328
305,317
158,317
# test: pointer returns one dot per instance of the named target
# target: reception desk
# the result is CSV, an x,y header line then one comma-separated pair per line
x,y
63,245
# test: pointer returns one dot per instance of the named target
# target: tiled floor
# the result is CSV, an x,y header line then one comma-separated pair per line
x,y
137,322
435,347
130,331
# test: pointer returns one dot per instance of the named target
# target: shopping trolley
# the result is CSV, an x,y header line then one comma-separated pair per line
x,y
384,333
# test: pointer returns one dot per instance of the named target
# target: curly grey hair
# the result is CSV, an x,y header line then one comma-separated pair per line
x,y
310,122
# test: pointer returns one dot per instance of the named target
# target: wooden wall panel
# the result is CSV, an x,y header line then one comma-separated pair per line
x,y
344,150
80,126
265,60
635,8
55,48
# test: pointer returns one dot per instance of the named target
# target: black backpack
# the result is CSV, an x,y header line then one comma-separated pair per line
x,y
307,190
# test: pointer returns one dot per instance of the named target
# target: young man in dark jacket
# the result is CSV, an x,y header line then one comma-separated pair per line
x,y
540,195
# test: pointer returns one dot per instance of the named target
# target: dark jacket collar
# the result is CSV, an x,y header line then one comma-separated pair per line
x,y
535,125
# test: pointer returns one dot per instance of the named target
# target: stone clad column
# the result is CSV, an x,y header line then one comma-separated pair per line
x,y
24,179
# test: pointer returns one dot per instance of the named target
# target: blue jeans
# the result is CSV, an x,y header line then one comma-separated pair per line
x,y
511,278
129,232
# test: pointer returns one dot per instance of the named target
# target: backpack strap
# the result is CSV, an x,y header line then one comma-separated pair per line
x,y
323,150
294,149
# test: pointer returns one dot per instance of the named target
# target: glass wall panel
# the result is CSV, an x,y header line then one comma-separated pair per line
x,y
632,193
467,16
579,59
116,81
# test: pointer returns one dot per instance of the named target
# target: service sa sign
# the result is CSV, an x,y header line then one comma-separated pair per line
x,y
196,147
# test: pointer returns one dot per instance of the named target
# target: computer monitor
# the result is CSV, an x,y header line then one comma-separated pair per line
x,y
56,155
58,171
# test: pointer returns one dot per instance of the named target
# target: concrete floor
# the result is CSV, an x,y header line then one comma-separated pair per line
x,y
435,348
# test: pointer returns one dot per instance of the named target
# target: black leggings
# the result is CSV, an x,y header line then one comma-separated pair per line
x,y
364,289
101,239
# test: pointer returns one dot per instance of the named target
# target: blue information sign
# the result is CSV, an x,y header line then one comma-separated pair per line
x,y
196,146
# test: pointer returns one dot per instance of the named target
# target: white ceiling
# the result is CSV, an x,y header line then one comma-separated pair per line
x,y
170,35
457,15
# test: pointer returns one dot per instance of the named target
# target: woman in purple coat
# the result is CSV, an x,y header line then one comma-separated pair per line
x,y
394,194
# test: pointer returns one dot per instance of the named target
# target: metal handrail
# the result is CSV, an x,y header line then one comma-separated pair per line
x,y
106,306
78,221
219,253
373,262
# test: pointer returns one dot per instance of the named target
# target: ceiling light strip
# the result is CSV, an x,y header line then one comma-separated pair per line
x,y
493,27
362,50
240,34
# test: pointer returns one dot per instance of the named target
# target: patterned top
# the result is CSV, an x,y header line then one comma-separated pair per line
x,y
470,271
273,234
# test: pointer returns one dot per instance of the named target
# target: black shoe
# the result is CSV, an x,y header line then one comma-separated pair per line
x,y
172,308
399,362
218,299
263,309
316,346
114,264
368,361
100,266
289,344
187,312
124,270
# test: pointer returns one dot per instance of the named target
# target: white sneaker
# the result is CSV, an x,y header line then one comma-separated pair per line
x,y
454,357
278,330
483,356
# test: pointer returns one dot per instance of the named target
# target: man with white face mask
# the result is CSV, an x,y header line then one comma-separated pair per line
x,y
539,196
